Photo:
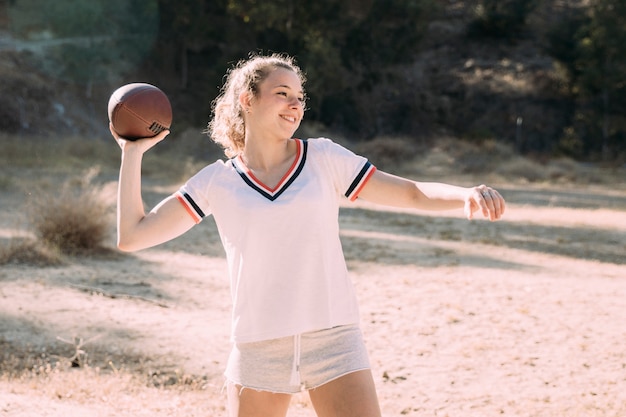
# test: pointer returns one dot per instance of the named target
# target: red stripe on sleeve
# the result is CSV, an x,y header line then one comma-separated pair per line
x,y
190,210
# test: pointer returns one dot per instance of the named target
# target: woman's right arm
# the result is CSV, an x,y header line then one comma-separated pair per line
x,y
136,229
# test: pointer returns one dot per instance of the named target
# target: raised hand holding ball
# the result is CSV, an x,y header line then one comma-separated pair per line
x,y
139,110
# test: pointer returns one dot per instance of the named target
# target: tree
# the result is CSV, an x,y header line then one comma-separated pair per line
x,y
189,28
602,67
345,47
501,18
590,44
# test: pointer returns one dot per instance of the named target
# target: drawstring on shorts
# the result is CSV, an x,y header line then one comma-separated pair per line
x,y
295,370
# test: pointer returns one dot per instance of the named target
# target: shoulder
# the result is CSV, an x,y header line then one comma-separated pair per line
x,y
321,142
325,145
216,167
331,149
212,171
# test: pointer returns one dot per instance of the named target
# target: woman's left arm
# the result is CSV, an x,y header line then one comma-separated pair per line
x,y
386,189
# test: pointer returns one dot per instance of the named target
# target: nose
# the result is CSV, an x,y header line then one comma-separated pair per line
x,y
295,102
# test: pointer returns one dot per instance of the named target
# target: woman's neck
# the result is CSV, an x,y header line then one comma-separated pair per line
x,y
268,155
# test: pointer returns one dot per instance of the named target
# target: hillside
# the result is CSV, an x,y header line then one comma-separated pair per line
x,y
459,83
33,104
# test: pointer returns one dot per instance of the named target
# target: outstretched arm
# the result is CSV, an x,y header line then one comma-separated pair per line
x,y
136,229
391,190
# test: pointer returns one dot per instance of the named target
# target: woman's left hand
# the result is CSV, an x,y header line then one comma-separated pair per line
x,y
486,199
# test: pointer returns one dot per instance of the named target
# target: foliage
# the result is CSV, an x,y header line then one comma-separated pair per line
x,y
346,48
591,45
501,18
603,73
375,67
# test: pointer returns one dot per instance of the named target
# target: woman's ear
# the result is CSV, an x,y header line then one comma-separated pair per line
x,y
245,100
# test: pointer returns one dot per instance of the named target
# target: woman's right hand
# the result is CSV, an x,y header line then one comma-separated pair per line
x,y
142,145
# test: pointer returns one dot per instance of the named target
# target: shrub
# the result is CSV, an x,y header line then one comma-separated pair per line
x,y
29,252
74,219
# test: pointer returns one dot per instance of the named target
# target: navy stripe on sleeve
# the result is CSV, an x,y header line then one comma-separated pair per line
x,y
358,178
194,205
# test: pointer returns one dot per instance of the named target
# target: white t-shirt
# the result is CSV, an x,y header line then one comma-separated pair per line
x,y
287,270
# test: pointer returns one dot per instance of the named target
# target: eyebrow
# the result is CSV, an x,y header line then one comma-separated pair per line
x,y
286,86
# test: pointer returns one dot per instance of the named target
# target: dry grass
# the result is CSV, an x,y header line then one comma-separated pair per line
x,y
172,159
60,155
25,251
76,218
70,207
97,360
388,152
79,374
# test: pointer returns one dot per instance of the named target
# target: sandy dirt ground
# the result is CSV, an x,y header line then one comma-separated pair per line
x,y
523,317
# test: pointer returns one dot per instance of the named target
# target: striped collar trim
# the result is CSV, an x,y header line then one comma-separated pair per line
x,y
289,177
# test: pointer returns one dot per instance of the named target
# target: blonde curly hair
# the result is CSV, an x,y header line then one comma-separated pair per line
x,y
226,128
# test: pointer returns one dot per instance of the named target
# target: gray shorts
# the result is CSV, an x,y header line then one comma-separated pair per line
x,y
291,364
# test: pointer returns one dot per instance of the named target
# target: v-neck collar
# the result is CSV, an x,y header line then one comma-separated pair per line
x,y
289,177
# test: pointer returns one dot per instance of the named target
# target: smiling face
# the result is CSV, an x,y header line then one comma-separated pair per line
x,y
277,108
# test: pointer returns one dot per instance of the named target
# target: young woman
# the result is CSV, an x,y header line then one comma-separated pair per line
x,y
276,204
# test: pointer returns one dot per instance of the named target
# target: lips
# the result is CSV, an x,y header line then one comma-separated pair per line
x,y
291,119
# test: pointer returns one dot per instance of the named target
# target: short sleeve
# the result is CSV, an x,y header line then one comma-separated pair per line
x,y
194,195
350,171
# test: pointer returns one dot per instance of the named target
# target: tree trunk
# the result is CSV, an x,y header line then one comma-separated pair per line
x,y
605,124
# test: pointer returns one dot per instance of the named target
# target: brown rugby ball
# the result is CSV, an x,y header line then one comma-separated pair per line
x,y
139,110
